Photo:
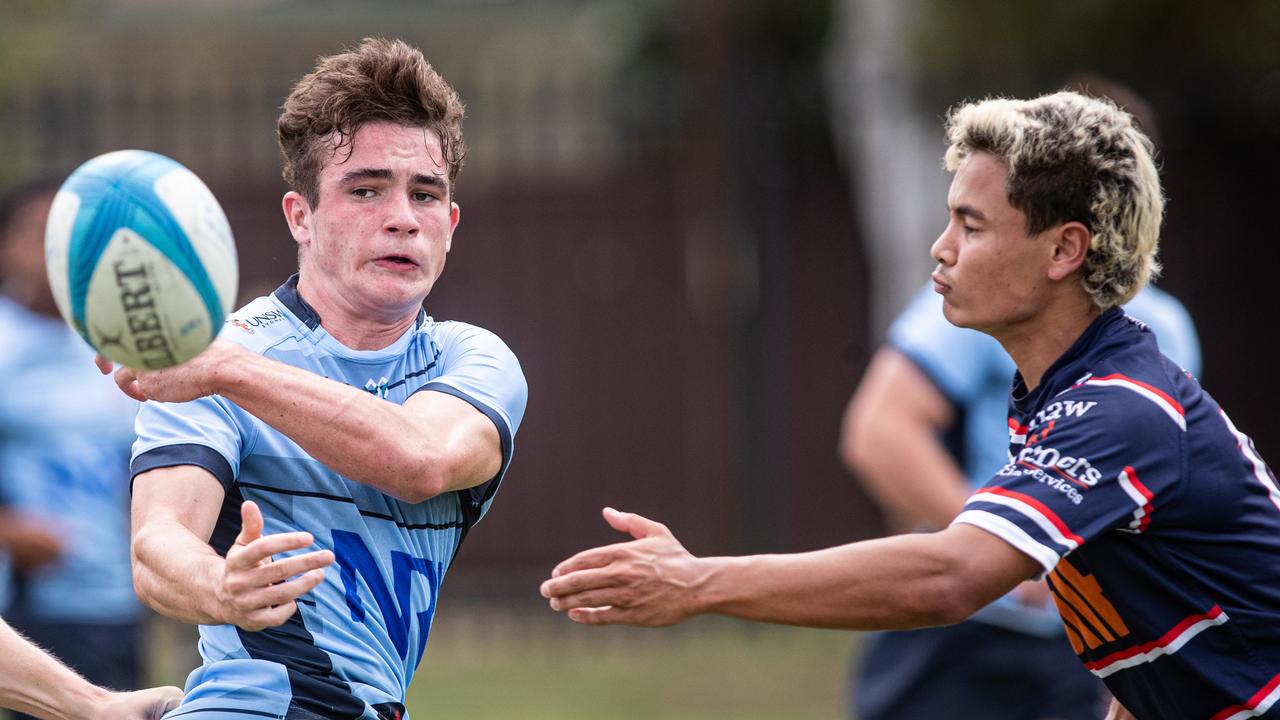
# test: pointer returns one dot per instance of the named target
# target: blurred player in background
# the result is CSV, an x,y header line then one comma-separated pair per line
x,y
65,433
1154,518
308,479
925,428
36,683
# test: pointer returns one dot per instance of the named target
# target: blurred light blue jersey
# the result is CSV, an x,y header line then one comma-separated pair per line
x,y
65,431
975,373
352,648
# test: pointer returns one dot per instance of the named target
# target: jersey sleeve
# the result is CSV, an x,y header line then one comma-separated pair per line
x,y
958,361
1099,458
204,432
476,366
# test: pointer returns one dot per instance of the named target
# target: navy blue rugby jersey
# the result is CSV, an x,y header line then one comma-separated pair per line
x,y
1157,522
352,648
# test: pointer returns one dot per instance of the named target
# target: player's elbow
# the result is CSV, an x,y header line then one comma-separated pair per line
x,y
866,448
865,436
424,482
144,578
140,587
428,474
856,450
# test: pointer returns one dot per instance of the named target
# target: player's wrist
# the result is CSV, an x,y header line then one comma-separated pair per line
x,y
710,592
225,363
82,700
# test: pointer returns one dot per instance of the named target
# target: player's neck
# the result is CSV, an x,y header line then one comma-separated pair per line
x,y
1037,343
355,327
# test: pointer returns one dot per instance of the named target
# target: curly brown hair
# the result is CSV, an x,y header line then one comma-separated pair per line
x,y
382,80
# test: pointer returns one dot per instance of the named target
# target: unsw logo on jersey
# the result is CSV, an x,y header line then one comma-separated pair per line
x,y
257,321
1062,409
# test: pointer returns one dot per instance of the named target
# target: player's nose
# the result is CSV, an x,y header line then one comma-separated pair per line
x,y
943,249
400,218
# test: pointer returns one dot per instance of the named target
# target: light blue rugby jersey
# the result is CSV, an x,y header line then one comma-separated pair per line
x,y
352,648
65,431
975,373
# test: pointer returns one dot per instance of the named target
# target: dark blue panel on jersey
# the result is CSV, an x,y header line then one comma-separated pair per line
x,y
186,454
316,691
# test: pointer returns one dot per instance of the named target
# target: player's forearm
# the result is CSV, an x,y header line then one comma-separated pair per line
x,y
374,442
36,684
175,573
902,582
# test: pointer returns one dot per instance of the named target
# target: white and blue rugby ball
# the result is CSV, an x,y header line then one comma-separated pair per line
x,y
141,259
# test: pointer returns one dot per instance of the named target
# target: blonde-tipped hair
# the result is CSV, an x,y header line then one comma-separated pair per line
x,y
1074,158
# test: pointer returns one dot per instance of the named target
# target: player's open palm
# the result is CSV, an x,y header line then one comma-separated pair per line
x,y
648,581
140,705
258,591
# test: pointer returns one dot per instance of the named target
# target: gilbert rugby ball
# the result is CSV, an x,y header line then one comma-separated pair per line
x,y
140,259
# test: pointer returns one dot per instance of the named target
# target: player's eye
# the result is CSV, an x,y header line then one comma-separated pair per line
x,y
363,192
422,196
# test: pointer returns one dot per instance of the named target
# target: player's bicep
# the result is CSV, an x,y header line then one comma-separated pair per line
x,y
988,565
184,494
469,441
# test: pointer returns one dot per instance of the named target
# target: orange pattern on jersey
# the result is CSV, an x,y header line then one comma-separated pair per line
x,y
1090,619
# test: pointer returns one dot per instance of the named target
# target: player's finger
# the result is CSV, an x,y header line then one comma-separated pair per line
x,y
593,558
280,593
598,615
580,581
286,568
265,547
598,597
162,699
268,617
637,526
250,523
105,366
128,384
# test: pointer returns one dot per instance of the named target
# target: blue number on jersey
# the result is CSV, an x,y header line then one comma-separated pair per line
x,y
353,558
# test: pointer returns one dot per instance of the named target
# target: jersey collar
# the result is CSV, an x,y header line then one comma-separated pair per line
x,y
289,296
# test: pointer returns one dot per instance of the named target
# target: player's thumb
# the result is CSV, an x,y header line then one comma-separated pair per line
x,y
635,525
250,523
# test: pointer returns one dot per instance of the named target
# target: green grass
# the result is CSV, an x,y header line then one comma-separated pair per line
x,y
484,664
487,663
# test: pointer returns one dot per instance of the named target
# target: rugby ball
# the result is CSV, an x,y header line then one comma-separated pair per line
x,y
140,259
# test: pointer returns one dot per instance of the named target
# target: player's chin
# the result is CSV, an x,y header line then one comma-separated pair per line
x,y
954,315
401,288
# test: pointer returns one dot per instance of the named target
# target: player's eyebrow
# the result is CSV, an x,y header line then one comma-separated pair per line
x,y
385,174
430,180
968,211
366,174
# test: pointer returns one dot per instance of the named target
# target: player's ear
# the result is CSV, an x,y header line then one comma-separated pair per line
x,y
1070,245
297,213
455,214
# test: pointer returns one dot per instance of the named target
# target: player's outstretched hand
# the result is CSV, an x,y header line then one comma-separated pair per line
x,y
180,383
650,581
257,592
140,705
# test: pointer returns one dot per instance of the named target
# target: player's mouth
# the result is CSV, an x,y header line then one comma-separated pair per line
x,y
940,287
395,262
